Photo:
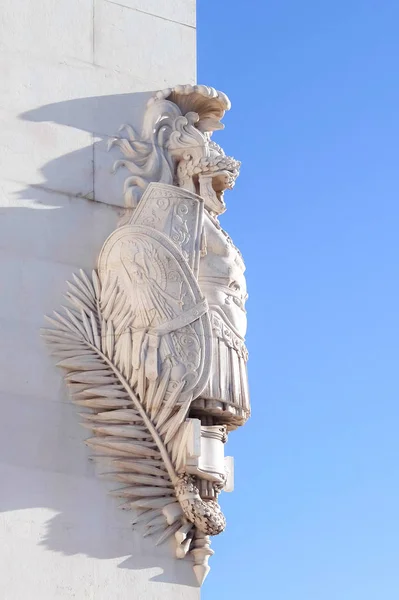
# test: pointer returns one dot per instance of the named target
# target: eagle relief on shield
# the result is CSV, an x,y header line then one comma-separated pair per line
x,y
152,345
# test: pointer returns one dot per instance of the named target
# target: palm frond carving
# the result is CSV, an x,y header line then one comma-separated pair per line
x,y
92,339
135,420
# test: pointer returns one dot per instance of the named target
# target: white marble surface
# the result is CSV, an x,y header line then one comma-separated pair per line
x,y
56,28
72,76
71,72
62,538
181,11
154,38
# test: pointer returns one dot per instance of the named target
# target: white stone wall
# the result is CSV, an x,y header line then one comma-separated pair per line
x,y
72,71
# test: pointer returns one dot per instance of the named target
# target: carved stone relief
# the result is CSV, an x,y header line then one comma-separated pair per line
x,y
152,344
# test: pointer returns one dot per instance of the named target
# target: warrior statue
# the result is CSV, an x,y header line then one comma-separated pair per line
x,y
153,344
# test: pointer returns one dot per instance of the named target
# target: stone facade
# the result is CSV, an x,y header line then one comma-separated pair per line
x,y
72,72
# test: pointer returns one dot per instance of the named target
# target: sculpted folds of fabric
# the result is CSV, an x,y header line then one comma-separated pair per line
x,y
152,344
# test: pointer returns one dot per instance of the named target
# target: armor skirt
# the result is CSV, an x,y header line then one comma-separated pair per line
x,y
225,396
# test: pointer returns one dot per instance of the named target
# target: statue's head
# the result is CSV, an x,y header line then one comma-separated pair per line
x,y
175,146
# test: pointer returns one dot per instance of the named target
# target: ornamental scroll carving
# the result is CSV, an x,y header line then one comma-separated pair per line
x,y
152,344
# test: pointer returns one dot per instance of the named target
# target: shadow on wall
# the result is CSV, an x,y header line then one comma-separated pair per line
x,y
98,114
80,172
48,461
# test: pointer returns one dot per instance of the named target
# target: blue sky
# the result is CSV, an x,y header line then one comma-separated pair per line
x,y
315,122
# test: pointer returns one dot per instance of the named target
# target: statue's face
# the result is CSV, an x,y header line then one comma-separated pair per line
x,y
222,171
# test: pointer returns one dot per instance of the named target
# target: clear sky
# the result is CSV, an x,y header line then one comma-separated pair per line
x,y
315,122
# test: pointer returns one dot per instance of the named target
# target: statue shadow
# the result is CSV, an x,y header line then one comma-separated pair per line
x,y
83,172
44,457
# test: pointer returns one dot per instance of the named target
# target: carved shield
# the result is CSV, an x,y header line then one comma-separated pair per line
x,y
152,262
176,213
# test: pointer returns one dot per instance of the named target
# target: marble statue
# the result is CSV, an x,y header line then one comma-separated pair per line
x,y
153,341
